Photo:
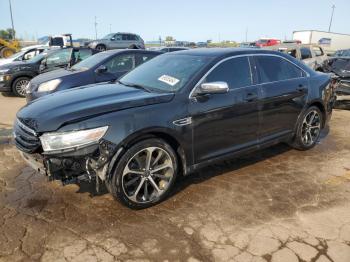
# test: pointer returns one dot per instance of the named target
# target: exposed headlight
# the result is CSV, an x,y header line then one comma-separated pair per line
x,y
69,140
49,86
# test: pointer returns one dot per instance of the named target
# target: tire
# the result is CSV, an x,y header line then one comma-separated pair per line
x,y
147,187
133,47
18,86
308,129
6,52
101,48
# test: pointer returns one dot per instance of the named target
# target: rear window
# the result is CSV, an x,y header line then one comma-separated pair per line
x,y
273,68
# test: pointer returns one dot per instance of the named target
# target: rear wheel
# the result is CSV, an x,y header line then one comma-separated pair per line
x,y
19,86
308,129
101,48
145,174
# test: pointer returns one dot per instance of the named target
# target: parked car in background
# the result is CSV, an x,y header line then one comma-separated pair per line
x,y
14,77
172,49
342,53
176,113
340,66
312,55
23,55
118,41
202,44
102,67
247,44
267,42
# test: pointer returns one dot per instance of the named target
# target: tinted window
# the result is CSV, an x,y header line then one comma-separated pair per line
x,y
305,53
131,37
125,37
272,68
81,54
120,63
235,72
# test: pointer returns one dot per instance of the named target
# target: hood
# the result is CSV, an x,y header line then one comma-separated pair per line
x,y
60,73
51,112
5,61
17,64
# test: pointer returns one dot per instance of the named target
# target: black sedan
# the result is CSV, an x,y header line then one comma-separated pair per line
x,y
172,115
14,77
102,67
340,66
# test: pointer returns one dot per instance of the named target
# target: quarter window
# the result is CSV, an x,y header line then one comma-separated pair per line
x,y
305,53
235,72
273,68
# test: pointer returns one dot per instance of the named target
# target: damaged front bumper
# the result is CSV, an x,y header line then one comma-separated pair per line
x,y
93,162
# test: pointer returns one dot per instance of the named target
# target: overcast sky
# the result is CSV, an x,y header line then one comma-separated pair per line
x,y
183,19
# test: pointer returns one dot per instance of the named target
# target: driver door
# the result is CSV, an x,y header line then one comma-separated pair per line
x,y
228,122
59,59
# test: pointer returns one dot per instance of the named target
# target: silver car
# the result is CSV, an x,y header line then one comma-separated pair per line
x,y
118,41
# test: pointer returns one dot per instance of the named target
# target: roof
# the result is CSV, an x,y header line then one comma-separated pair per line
x,y
115,51
222,52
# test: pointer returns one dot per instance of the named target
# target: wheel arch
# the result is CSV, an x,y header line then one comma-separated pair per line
x,y
167,135
321,107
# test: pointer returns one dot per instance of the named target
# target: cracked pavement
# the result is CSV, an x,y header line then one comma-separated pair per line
x,y
277,204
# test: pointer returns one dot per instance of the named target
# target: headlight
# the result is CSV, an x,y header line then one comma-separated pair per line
x,y
49,86
3,71
72,139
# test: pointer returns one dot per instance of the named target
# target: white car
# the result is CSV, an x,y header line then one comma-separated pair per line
x,y
26,53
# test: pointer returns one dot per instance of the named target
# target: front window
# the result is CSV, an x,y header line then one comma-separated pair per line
x,y
120,63
305,53
62,56
167,73
235,72
109,36
90,62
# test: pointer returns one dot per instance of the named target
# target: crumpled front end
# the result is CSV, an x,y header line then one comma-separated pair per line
x,y
90,162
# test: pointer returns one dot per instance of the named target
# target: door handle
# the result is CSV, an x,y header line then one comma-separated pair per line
x,y
250,97
301,88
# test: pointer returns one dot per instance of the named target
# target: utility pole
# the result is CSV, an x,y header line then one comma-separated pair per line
x,y
110,28
246,34
95,28
13,28
330,23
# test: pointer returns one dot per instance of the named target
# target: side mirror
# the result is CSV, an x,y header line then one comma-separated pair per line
x,y
213,88
113,38
101,69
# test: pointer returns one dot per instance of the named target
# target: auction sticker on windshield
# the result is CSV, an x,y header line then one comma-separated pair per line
x,y
169,80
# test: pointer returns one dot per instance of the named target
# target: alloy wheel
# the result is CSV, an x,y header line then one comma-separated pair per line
x,y
311,128
147,175
21,87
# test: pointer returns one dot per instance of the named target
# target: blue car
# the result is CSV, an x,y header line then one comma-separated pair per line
x,y
102,67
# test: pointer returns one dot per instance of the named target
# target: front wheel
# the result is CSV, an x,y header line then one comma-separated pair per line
x,y
19,86
145,174
101,48
308,129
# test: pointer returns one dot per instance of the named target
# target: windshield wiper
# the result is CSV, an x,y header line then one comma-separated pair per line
x,y
135,86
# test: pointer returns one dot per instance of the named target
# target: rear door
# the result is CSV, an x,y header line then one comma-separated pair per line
x,y
224,123
284,89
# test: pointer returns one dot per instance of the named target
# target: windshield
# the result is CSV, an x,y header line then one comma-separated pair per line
x,y
109,36
90,62
167,73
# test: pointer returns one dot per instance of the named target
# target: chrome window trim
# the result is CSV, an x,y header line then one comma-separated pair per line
x,y
247,55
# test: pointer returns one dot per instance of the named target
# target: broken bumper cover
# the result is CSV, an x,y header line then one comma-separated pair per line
x,y
343,88
35,161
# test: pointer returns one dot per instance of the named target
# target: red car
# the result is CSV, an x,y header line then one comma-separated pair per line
x,y
267,42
